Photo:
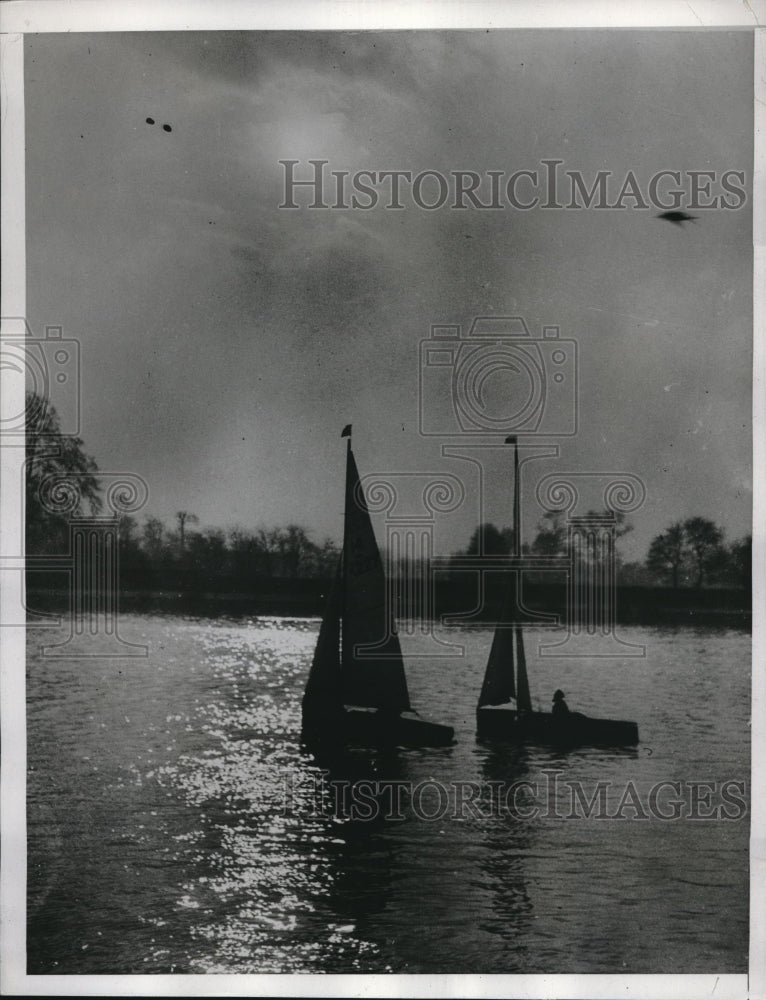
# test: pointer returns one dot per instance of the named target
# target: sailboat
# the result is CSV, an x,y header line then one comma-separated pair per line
x,y
356,691
505,709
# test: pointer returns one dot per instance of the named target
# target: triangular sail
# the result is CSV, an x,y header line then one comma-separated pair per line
x,y
523,699
376,677
323,687
498,686
506,657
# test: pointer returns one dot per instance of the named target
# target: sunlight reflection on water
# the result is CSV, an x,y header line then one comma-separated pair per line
x,y
174,823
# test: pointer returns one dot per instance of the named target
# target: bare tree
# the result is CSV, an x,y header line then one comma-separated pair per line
x,y
551,537
49,453
154,537
489,540
667,553
184,517
695,544
704,539
126,528
741,561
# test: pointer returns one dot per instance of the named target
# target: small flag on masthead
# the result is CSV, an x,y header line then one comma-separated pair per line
x,y
346,431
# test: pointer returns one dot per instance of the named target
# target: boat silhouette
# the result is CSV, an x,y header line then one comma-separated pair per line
x,y
504,711
356,691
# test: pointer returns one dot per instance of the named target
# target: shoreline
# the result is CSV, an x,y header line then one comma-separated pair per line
x,y
307,598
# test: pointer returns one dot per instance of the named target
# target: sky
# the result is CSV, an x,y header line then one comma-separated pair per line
x,y
226,341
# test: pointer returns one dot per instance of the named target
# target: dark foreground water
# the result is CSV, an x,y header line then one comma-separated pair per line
x,y
176,825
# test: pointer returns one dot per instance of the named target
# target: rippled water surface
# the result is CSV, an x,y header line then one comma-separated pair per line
x,y
174,824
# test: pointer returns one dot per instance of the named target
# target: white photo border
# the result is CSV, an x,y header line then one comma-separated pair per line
x,y
19,17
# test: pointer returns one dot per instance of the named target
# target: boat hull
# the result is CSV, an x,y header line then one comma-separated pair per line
x,y
369,727
573,729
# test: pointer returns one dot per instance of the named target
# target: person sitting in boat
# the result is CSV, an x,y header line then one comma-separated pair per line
x,y
560,707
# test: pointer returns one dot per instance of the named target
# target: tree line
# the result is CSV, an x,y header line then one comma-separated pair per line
x,y
688,553
216,559
153,554
694,552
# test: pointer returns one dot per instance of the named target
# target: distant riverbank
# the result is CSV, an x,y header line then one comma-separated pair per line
x,y
306,597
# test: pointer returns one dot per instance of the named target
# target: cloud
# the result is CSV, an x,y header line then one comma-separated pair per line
x,y
208,315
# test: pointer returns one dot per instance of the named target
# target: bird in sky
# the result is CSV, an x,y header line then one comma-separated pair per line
x,y
679,218
166,128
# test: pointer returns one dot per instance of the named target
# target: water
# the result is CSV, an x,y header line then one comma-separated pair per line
x,y
173,824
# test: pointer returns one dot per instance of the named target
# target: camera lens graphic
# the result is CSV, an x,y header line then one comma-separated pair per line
x,y
515,373
27,361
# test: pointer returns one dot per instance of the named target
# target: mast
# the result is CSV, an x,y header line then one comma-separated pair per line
x,y
500,677
345,433
516,498
523,699
324,687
